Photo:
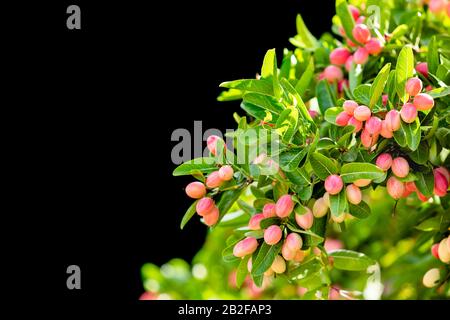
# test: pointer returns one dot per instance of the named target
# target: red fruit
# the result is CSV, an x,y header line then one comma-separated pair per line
x,y
212,143
421,196
339,55
272,235
373,46
362,113
440,184
254,222
422,68
384,99
195,190
395,188
367,139
284,206
354,11
226,173
400,167
305,220
423,101
333,73
406,193
436,6
444,172
413,86
348,63
408,113
350,43
212,217
385,132
353,193
373,125
434,250
361,33
313,113
213,180
410,186
342,119
357,124
360,56
294,242
205,206
350,106
333,184
269,210
392,120
384,161
245,247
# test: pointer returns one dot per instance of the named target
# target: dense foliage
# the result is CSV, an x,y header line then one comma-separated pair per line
x,y
341,123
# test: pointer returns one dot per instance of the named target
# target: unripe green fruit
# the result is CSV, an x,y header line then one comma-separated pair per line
x,y
226,173
431,278
326,199
278,265
320,208
195,190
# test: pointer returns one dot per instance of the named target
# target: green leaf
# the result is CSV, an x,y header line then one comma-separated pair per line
x,y
262,86
412,134
227,253
299,177
378,85
188,215
269,64
443,135
265,223
400,137
421,154
362,94
290,160
432,56
322,166
390,86
351,260
338,203
360,211
425,183
253,110
348,23
297,100
196,165
242,271
404,71
227,199
324,96
266,102
439,92
305,38
360,170
332,113
265,258
306,78
399,31
355,76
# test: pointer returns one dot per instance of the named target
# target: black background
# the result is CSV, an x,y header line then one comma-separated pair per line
x,y
103,102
